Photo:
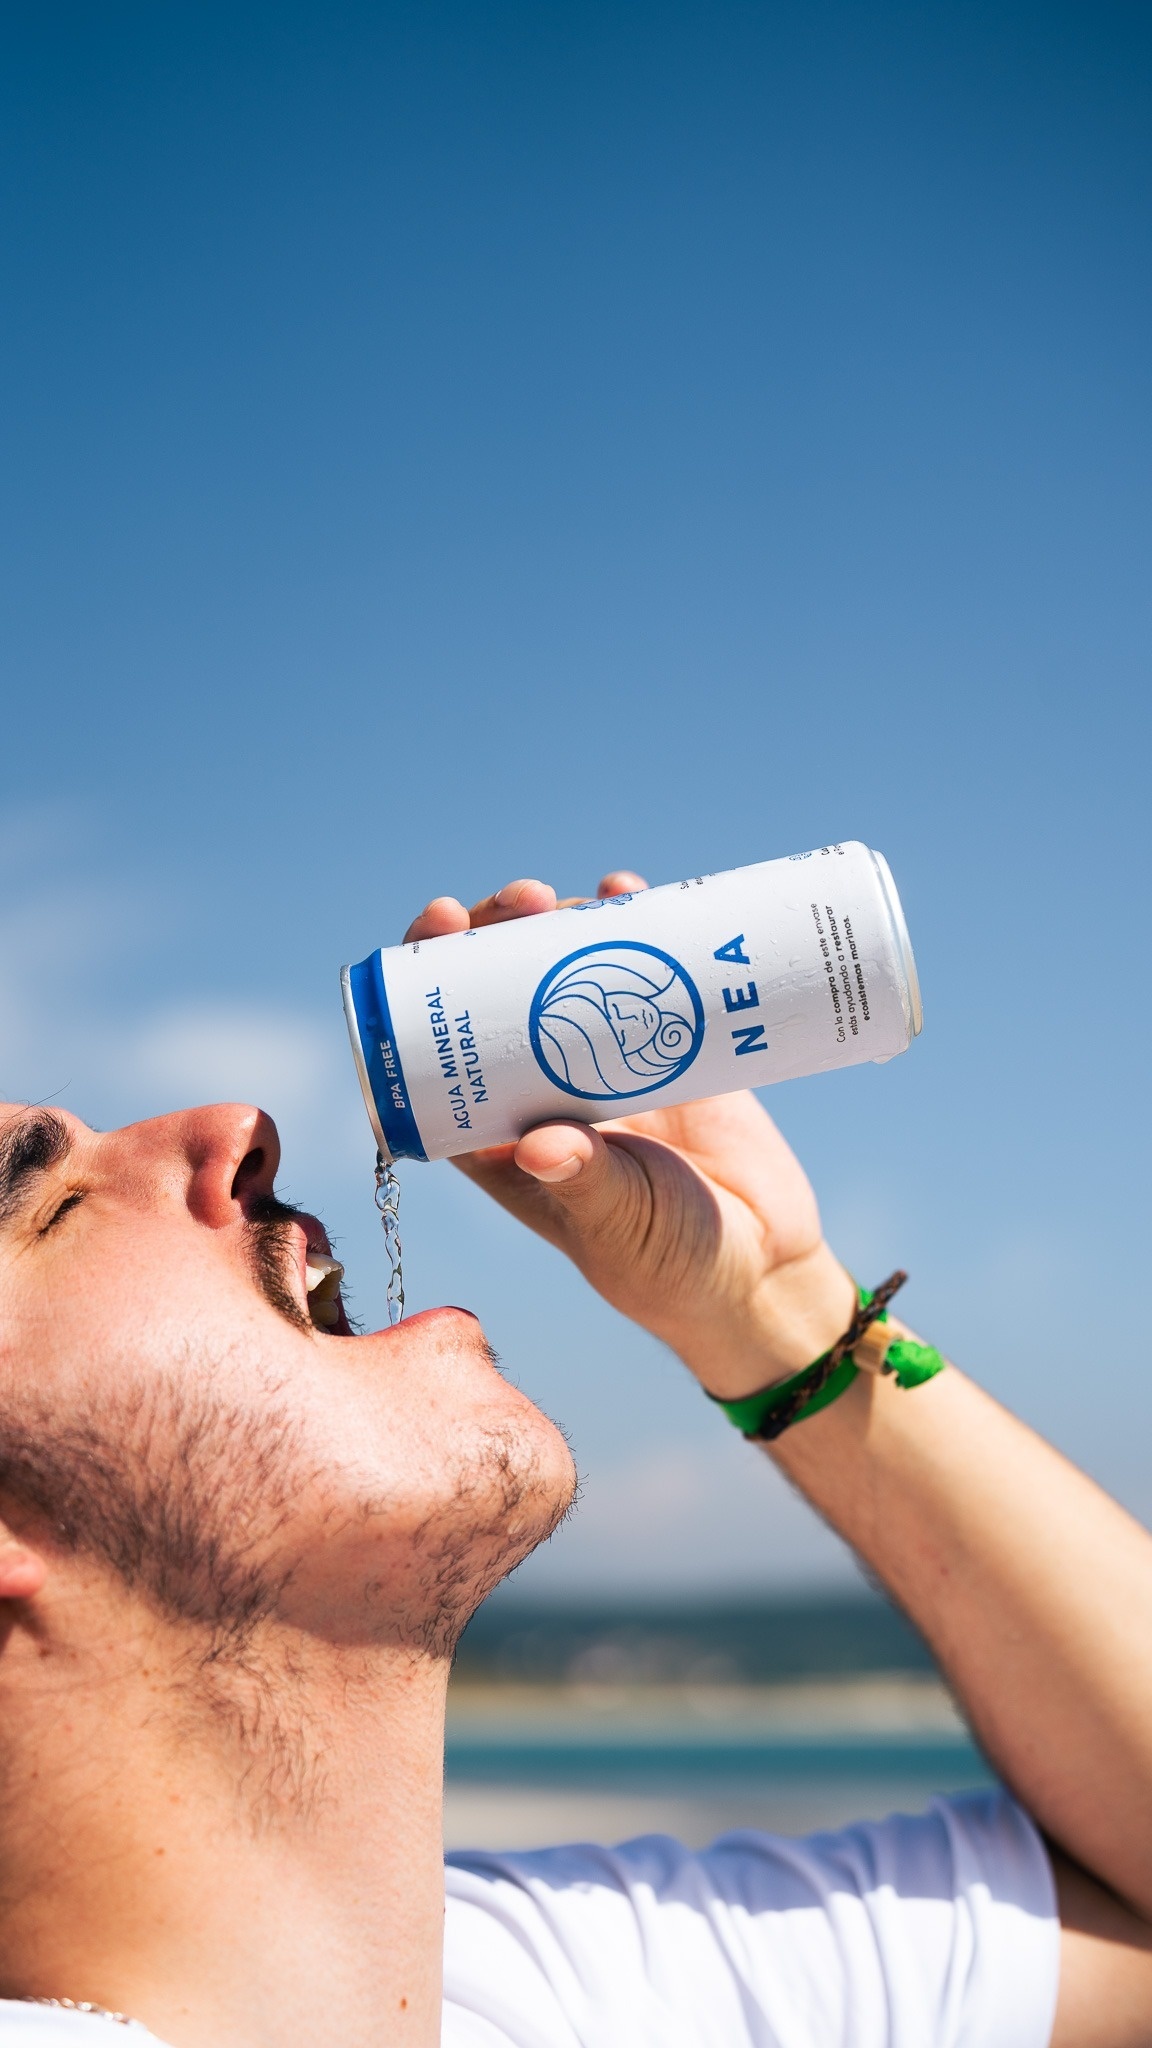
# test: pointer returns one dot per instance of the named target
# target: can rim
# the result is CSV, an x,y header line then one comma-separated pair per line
x,y
895,909
352,1021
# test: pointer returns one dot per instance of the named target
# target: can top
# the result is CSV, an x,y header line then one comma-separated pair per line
x,y
361,1069
895,911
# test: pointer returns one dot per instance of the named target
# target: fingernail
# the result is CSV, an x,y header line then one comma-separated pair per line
x,y
508,895
566,1170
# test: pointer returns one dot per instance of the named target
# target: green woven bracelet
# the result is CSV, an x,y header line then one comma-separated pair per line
x,y
764,1416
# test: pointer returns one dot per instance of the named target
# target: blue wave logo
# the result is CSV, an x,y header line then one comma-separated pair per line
x,y
616,1020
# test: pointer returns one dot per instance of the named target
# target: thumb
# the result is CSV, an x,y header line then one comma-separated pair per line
x,y
559,1154
596,1186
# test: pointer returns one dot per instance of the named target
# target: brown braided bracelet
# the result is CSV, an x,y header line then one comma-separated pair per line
x,y
812,1382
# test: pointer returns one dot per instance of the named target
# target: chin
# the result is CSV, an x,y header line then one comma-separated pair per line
x,y
530,1482
510,1482
459,1476
503,1484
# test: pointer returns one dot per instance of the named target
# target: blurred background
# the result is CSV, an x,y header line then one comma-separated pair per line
x,y
446,443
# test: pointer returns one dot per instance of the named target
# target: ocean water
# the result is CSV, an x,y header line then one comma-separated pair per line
x,y
595,1721
518,1778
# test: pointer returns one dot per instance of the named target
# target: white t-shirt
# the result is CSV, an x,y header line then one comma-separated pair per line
x,y
933,1932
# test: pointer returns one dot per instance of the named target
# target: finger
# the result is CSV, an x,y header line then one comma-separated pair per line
x,y
586,1176
588,1192
525,898
621,882
443,915
556,1153
577,1191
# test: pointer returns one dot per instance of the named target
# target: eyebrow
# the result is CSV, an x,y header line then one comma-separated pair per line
x,y
29,1148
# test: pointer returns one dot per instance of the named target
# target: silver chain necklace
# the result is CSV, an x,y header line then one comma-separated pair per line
x,y
98,2012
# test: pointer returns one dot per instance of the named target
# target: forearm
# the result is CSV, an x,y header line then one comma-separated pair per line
x,y
1033,1588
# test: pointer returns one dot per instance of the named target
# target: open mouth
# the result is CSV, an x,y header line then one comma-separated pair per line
x,y
291,1262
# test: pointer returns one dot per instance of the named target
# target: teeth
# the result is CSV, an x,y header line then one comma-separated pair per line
x,y
324,1277
322,1272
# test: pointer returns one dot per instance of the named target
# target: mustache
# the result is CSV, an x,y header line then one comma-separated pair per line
x,y
270,1252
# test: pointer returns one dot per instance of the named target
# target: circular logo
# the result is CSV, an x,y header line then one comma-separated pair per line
x,y
616,1020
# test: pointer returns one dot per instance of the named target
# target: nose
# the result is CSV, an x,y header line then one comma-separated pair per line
x,y
233,1152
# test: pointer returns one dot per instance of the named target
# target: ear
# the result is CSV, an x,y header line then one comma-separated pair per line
x,y
22,1571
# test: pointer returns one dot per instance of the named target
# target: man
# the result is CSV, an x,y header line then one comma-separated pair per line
x,y
238,1548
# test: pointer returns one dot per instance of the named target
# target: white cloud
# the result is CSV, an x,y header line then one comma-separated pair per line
x,y
76,948
713,1512
288,1063
221,1052
53,945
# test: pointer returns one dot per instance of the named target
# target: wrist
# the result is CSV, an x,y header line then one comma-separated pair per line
x,y
795,1315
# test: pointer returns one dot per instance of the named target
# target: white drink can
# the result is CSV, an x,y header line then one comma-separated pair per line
x,y
633,1002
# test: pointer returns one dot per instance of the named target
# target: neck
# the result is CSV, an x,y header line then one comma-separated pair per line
x,y
246,1850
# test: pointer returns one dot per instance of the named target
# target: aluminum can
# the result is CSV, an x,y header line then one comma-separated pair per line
x,y
633,1002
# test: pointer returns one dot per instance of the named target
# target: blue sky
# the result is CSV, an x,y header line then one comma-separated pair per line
x,y
442,443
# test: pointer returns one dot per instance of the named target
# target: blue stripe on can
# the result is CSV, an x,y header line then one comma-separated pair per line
x,y
382,1060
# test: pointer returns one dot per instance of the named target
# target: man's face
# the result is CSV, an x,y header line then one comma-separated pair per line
x,y
168,1405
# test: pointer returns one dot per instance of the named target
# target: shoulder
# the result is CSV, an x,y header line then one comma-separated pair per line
x,y
911,1918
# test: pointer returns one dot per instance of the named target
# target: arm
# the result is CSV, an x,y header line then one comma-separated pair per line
x,y
1033,1588
1035,1592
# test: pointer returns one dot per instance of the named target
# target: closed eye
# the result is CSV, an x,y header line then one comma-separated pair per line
x,y
71,1201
